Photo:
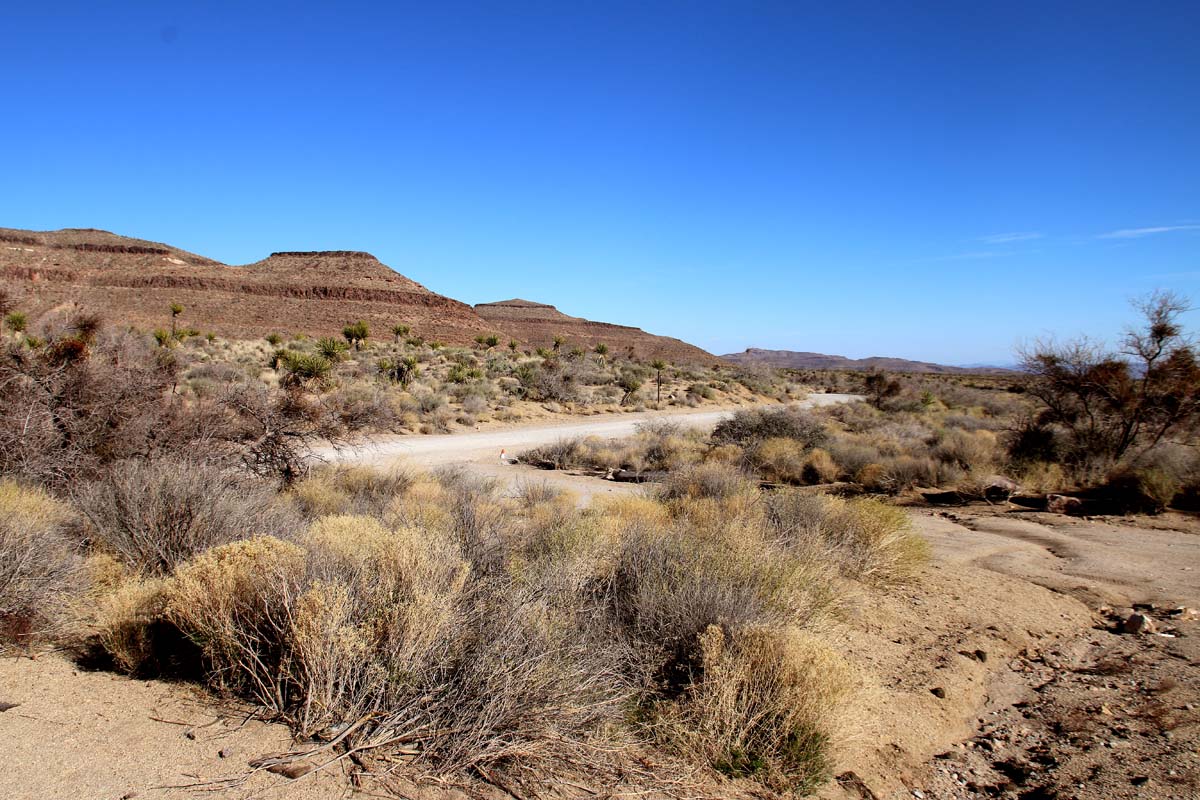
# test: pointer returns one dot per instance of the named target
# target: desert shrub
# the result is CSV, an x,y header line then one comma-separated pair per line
x,y
81,400
1107,404
778,459
563,454
429,402
39,567
763,707
235,602
965,449
474,404
667,446
361,407
754,425
869,540
156,514
819,467
856,417
852,455
1140,491
670,582
349,489
126,621
901,473
706,480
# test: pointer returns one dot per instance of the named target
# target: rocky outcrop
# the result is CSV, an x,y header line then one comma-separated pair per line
x,y
134,282
540,323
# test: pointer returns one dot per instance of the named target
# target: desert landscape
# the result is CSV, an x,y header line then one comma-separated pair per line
x,y
320,565
839,436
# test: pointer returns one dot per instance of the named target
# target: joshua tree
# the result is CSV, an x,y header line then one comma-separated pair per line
x,y
399,370
512,345
303,369
176,310
356,334
399,332
558,342
274,339
630,383
880,387
601,349
658,365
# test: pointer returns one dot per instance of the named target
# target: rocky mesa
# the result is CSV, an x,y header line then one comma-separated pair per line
x,y
134,281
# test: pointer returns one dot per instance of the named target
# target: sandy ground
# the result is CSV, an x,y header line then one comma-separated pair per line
x,y
1001,673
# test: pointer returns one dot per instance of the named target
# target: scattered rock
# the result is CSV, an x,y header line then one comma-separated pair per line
x,y
999,489
950,498
7,706
851,782
1062,504
223,753
292,769
1139,623
938,692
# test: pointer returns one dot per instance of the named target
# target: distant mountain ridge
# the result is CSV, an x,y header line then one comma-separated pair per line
x,y
792,359
134,282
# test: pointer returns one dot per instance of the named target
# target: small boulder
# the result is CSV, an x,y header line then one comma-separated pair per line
x,y
1062,504
998,489
1138,623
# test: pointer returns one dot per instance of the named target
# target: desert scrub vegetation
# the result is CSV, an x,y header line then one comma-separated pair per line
x,y
473,632
40,563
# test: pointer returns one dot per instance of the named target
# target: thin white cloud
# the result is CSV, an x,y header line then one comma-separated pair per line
x,y
1137,233
1008,238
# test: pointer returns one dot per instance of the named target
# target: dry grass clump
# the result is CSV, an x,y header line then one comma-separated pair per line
x,y
156,514
39,566
763,707
656,447
349,489
869,540
707,480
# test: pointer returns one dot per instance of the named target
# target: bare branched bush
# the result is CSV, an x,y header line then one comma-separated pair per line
x,y
155,514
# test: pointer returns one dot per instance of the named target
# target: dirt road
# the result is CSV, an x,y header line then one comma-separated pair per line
x,y
479,451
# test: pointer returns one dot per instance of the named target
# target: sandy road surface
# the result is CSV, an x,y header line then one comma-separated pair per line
x,y
480,451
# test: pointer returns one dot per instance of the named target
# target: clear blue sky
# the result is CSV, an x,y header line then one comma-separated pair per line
x,y
936,182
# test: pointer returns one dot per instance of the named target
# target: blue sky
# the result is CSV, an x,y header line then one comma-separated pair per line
x,y
936,182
